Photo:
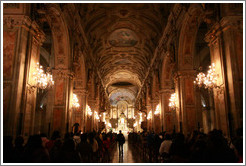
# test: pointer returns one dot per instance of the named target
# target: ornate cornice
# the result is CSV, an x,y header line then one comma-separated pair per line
x,y
13,21
185,74
62,73
82,92
235,22
166,90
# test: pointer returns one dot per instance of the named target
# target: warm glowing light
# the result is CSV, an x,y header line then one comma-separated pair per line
x,y
200,78
149,115
109,125
75,101
140,118
157,110
135,124
88,109
104,114
42,80
173,101
122,120
96,115
209,80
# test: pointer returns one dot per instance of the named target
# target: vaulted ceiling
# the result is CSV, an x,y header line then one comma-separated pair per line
x,y
123,38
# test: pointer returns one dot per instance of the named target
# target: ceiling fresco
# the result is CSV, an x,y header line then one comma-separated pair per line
x,y
123,38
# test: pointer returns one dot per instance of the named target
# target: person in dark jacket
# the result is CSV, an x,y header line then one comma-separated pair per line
x,y
121,140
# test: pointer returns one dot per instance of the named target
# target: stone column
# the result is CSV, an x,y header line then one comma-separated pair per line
x,y
155,118
62,87
167,115
186,95
226,48
78,115
22,39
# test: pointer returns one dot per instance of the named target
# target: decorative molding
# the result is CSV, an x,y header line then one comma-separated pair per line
x,y
30,89
185,74
13,21
162,91
82,92
235,22
63,73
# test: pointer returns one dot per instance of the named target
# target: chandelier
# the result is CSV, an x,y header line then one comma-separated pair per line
x,y
140,118
75,101
42,80
96,115
149,115
173,101
88,109
157,110
208,81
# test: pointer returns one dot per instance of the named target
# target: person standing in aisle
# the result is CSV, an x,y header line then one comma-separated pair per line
x,y
121,140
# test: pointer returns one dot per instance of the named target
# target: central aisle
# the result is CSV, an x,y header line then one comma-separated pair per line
x,y
129,155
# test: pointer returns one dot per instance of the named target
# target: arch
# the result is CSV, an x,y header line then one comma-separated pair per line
x,y
187,38
60,36
166,72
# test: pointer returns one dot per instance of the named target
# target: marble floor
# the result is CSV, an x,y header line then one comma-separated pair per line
x,y
129,155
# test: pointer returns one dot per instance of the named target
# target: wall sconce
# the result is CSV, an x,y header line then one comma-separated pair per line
x,y
157,110
149,115
209,81
88,109
42,80
173,101
75,101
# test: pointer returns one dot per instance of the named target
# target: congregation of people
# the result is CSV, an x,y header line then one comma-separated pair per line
x,y
72,148
196,147
93,147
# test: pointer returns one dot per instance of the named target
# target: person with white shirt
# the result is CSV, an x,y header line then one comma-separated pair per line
x,y
165,146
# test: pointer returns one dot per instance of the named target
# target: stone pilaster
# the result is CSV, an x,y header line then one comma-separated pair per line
x,y
226,42
78,115
22,39
62,94
168,115
186,111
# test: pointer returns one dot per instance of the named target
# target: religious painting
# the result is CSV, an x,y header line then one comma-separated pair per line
x,y
9,38
59,92
123,38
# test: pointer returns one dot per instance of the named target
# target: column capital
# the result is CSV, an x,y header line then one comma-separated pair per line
x,y
228,22
167,90
81,91
13,21
62,73
235,22
185,74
